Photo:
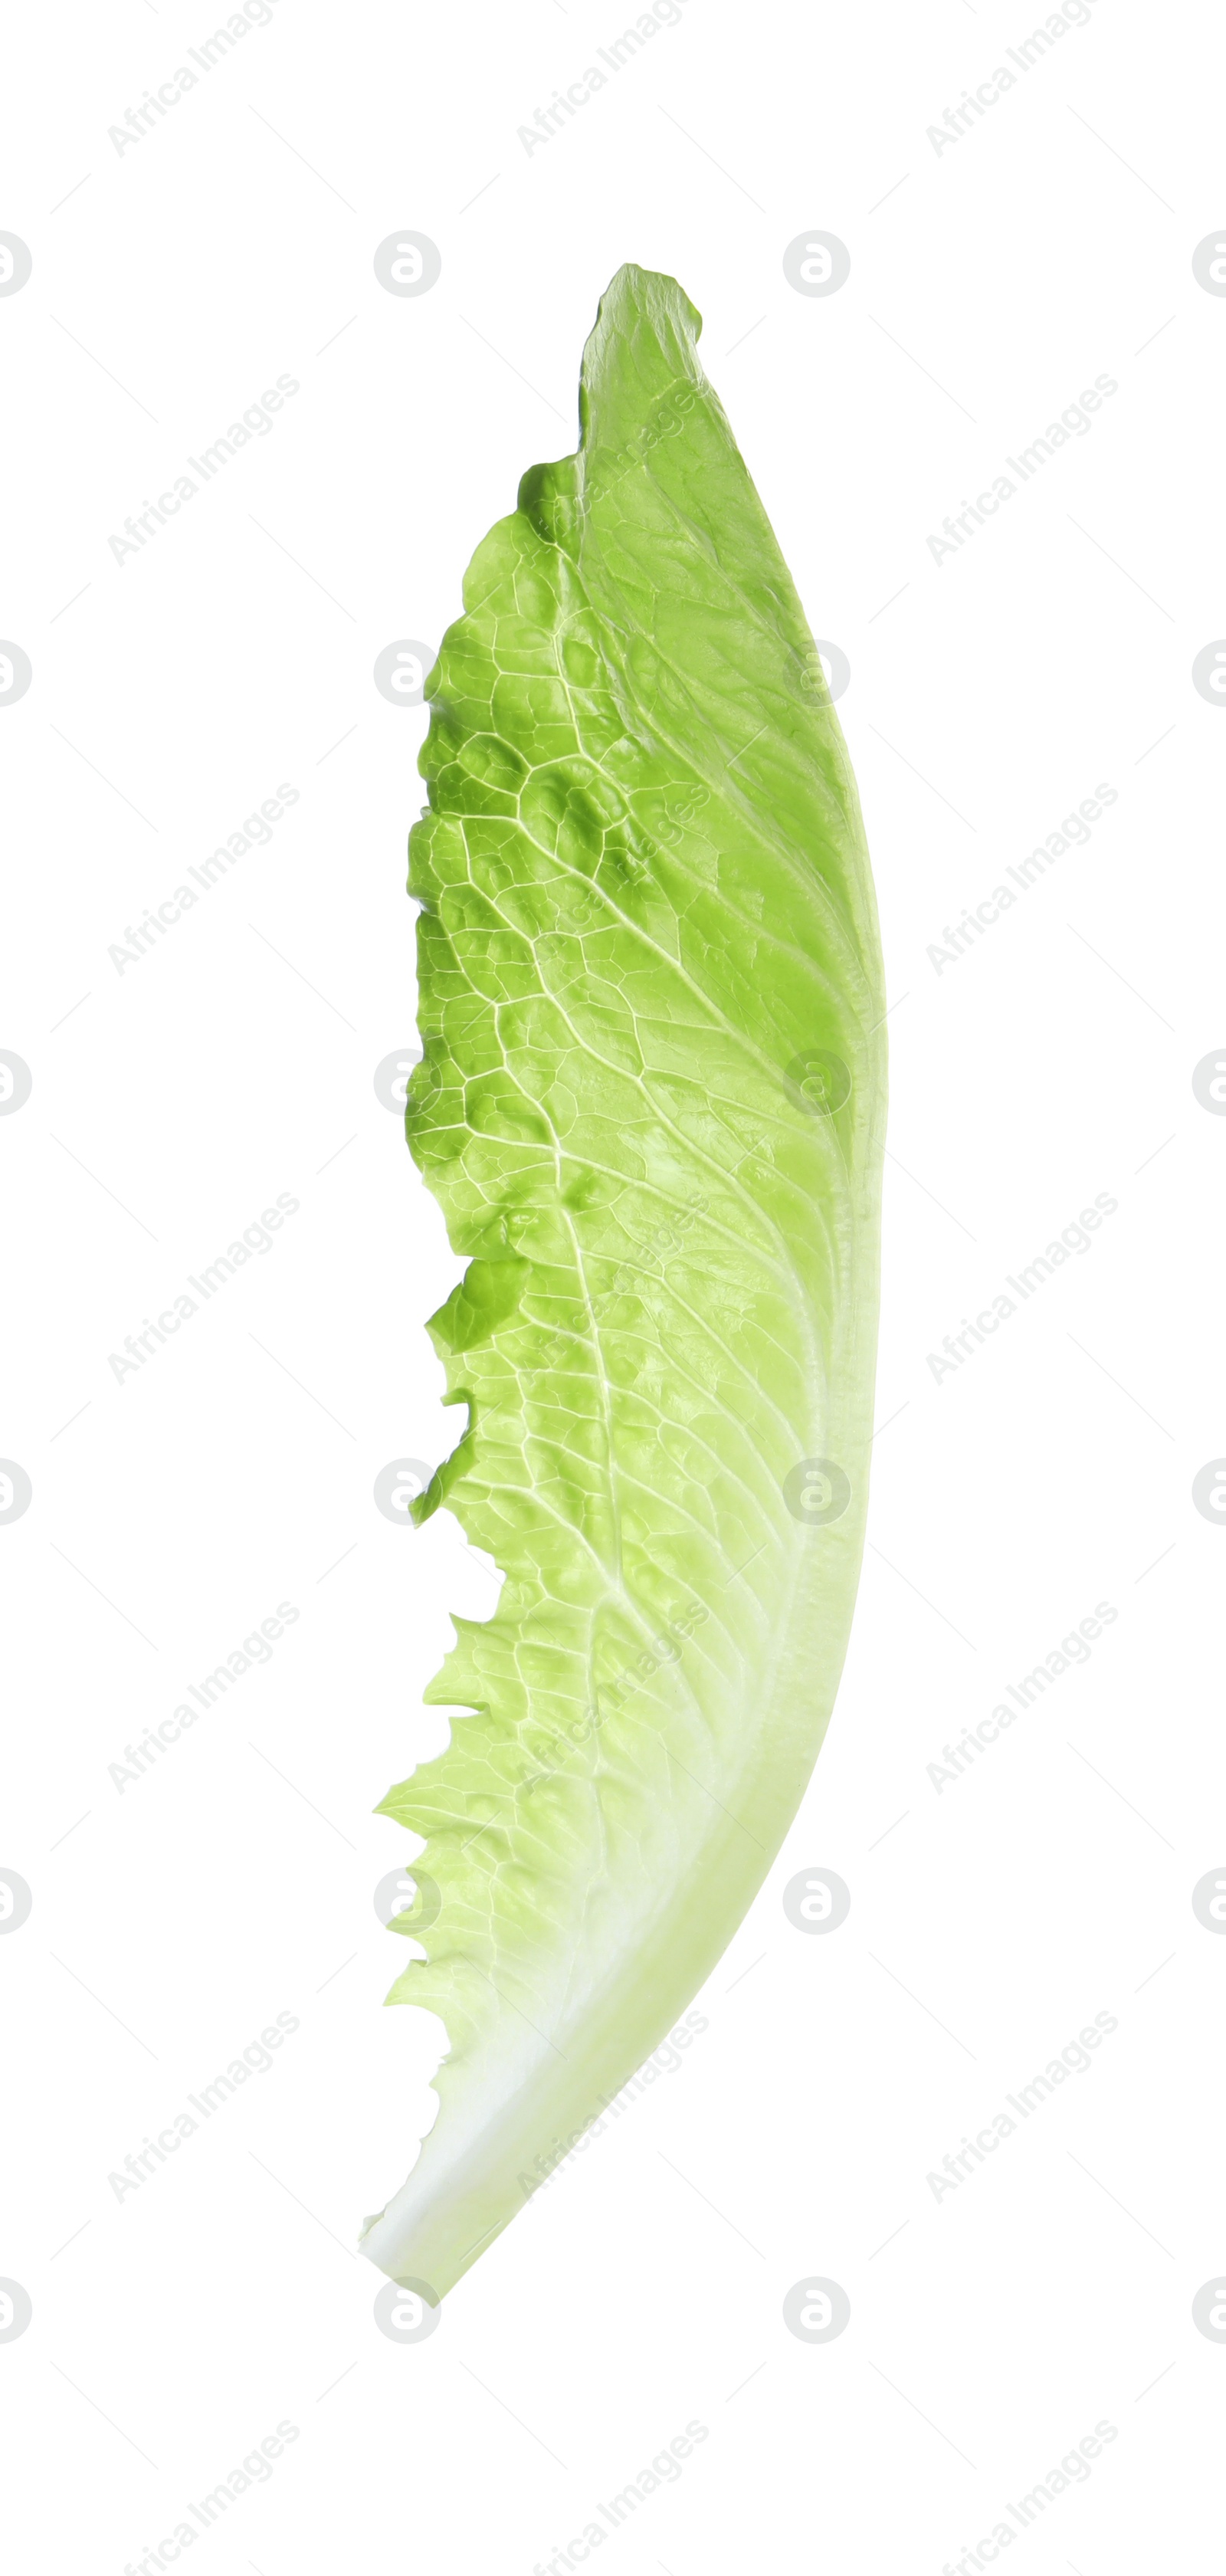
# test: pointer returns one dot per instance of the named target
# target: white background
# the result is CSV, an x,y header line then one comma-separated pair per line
x,y
989,694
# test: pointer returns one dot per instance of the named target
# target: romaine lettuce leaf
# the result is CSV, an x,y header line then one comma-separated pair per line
x,y
651,1106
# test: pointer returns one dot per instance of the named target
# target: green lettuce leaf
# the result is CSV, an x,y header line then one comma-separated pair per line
x,y
651,1106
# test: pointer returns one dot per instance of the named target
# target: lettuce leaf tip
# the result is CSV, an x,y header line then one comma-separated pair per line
x,y
651,1106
